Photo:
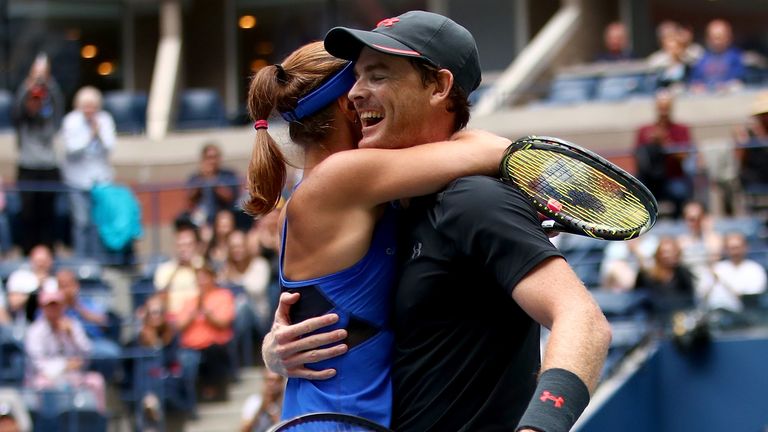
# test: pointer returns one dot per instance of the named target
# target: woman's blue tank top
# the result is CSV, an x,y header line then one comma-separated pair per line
x,y
360,295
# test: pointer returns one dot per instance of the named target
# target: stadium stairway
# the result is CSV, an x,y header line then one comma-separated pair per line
x,y
225,416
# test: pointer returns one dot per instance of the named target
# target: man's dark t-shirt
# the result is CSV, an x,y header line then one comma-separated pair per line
x,y
466,355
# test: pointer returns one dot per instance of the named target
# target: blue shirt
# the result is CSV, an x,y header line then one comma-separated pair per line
x,y
718,68
360,295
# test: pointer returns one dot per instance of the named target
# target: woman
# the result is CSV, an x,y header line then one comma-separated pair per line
x,y
251,272
205,324
669,283
338,230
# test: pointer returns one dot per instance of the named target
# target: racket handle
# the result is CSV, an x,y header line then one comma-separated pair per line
x,y
550,225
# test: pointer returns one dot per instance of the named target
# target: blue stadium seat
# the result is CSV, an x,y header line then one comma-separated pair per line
x,y
201,108
141,289
129,110
85,269
572,89
619,87
6,102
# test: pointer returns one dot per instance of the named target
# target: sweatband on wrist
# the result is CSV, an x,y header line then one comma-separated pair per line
x,y
559,400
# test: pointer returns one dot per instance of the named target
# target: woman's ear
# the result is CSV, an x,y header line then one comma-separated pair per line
x,y
443,85
347,108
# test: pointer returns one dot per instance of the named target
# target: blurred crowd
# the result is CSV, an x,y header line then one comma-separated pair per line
x,y
197,314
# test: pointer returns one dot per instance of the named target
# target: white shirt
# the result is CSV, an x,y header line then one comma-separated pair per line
x,y
748,277
87,157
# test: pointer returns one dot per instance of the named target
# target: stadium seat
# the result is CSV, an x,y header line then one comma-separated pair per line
x,y
572,89
619,87
85,269
141,289
128,109
200,108
6,102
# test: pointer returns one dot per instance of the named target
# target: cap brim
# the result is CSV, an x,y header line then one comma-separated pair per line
x,y
347,43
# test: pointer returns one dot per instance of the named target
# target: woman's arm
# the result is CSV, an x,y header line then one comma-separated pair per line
x,y
368,177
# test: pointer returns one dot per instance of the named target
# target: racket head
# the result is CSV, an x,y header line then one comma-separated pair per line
x,y
328,422
580,190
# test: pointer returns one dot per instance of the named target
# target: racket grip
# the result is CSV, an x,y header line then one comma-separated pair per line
x,y
550,225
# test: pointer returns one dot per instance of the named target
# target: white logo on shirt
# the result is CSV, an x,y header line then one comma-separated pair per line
x,y
416,250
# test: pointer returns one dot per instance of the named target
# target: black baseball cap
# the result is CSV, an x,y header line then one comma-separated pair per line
x,y
416,34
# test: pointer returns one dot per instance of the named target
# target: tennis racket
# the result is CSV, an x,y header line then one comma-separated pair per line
x,y
581,192
328,422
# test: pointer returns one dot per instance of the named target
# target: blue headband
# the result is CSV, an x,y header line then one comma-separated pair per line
x,y
320,97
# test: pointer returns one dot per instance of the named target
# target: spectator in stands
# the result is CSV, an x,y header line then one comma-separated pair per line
x,y
753,154
93,318
737,280
616,43
623,260
8,422
212,188
693,51
661,148
205,323
721,67
253,273
88,134
671,64
58,349
216,245
261,411
6,240
701,244
22,289
668,282
36,116
157,332
176,278
264,240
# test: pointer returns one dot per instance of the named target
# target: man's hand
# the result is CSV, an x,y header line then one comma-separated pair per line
x,y
286,352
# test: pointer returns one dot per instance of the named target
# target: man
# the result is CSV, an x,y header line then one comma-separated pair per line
x,y
176,278
477,267
739,281
661,148
58,348
88,133
721,68
93,318
212,188
616,43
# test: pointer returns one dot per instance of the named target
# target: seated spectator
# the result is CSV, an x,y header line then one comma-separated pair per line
x,y
701,244
88,134
58,349
6,240
753,138
23,289
661,149
693,51
158,333
721,68
736,279
8,422
623,260
669,283
253,273
674,73
261,411
176,278
216,249
212,188
205,323
93,318
616,44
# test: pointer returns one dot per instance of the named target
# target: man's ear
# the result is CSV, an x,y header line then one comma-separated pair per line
x,y
443,85
347,108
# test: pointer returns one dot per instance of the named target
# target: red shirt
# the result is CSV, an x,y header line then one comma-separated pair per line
x,y
678,137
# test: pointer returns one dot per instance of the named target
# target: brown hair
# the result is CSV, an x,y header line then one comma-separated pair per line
x,y
280,87
458,99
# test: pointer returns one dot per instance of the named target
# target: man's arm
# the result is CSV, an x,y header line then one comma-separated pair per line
x,y
580,334
286,351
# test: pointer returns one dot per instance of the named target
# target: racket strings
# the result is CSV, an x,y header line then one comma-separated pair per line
x,y
593,195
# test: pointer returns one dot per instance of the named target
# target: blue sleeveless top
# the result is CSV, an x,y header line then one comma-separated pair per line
x,y
361,296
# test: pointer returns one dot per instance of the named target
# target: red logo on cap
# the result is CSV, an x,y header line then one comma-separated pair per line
x,y
388,22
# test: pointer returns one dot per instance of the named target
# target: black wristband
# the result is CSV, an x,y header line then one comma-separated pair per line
x,y
559,400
